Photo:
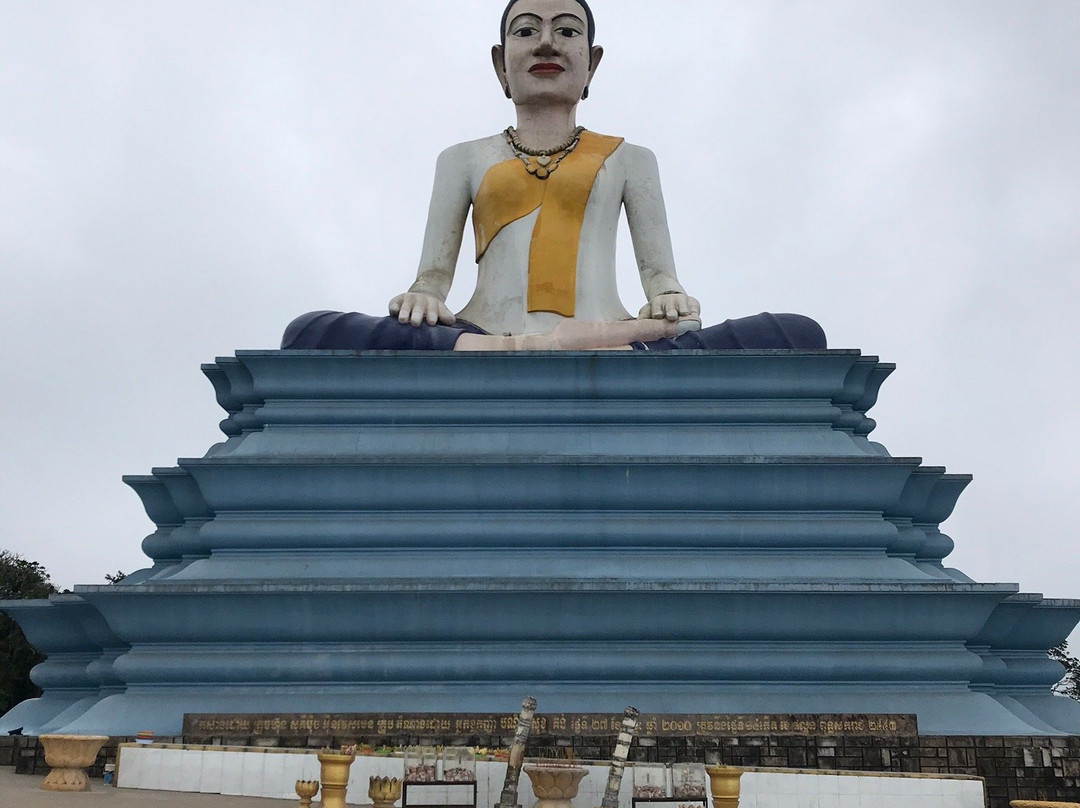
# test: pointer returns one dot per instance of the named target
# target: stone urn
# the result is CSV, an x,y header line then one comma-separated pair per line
x,y
384,791
555,786
69,756
725,786
334,777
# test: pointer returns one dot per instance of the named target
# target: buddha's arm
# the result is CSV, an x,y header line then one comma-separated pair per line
x,y
450,200
647,217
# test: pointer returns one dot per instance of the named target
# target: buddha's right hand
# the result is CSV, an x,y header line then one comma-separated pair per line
x,y
419,307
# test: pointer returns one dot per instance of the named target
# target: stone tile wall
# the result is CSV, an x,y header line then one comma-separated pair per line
x,y
1014,767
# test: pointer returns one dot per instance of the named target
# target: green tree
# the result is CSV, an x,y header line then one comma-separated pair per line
x,y
1070,685
19,580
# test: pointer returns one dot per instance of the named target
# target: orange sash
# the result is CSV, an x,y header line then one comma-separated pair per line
x,y
508,193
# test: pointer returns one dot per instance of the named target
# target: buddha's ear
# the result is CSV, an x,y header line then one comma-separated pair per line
x,y
594,59
595,56
498,61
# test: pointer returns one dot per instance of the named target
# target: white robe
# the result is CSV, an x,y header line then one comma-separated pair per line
x,y
628,177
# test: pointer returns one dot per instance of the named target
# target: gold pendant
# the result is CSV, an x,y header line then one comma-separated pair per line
x,y
538,167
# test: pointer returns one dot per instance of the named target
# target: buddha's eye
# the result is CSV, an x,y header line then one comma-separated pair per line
x,y
569,33
524,31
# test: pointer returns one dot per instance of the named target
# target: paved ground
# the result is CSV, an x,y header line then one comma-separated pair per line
x,y
22,791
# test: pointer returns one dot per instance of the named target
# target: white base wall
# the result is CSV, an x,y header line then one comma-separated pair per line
x,y
272,773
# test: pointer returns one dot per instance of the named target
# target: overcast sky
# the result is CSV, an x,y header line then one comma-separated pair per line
x,y
179,179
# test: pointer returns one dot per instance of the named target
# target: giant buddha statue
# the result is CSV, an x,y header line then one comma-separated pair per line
x,y
546,196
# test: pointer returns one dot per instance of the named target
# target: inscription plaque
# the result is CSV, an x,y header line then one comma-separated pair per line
x,y
650,725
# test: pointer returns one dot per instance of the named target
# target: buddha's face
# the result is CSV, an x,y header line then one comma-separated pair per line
x,y
547,58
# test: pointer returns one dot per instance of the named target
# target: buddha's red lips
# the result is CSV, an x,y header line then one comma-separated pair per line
x,y
546,69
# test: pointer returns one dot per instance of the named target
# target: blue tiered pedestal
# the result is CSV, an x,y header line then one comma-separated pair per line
x,y
698,532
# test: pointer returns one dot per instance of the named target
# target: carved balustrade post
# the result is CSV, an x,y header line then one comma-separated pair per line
x,y
509,796
618,759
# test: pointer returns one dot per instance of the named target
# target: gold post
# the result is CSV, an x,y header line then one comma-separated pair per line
x,y
724,783
334,775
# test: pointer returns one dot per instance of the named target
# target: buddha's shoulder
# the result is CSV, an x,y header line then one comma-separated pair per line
x,y
475,150
632,152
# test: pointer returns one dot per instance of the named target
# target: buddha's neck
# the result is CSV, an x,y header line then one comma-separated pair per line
x,y
542,127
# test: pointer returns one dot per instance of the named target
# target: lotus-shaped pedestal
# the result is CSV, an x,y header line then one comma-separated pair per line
x,y
306,791
555,786
384,791
69,756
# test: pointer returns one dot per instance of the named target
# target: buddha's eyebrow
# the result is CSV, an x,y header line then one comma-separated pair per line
x,y
514,21
537,17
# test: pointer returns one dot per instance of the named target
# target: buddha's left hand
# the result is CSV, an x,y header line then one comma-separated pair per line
x,y
671,307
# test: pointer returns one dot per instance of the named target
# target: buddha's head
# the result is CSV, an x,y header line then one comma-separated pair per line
x,y
547,53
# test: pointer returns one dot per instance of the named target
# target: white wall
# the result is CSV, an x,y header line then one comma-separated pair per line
x,y
272,773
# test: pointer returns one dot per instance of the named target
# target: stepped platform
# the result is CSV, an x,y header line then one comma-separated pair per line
x,y
693,532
